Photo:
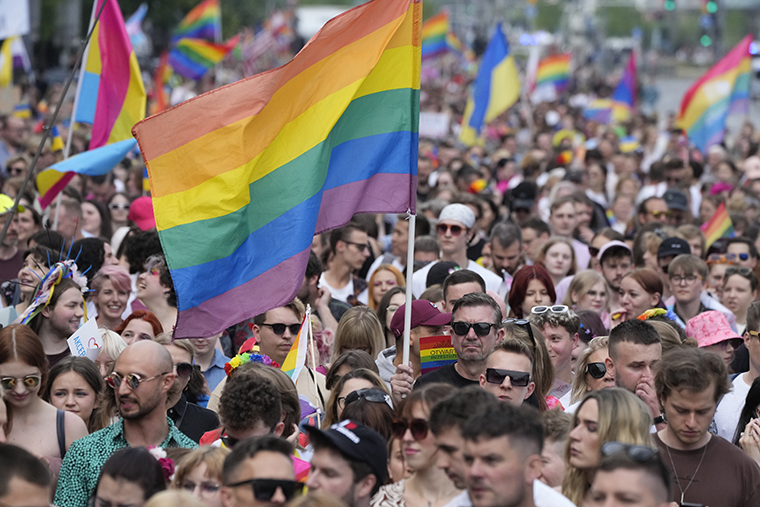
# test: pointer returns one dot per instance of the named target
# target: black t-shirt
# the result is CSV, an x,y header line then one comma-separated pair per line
x,y
193,420
446,374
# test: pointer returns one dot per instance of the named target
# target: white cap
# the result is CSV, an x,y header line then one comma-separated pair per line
x,y
612,244
459,213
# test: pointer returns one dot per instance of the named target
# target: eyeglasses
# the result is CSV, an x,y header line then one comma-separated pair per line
x,y
418,427
118,206
638,453
206,487
369,394
526,324
689,279
133,379
740,270
722,258
279,328
538,310
455,230
29,381
265,489
184,370
361,246
516,378
481,328
596,370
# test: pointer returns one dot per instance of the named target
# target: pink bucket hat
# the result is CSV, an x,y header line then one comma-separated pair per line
x,y
709,328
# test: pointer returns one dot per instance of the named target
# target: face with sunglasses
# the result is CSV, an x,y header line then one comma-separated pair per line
x,y
597,375
417,442
353,249
276,334
474,333
743,254
452,236
264,480
183,369
21,382
507,376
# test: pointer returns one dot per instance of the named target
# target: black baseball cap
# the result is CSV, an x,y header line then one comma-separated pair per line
x,y
675,199
673,246
357,442
523,196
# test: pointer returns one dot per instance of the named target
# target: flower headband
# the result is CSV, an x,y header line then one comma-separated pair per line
x,y
167,464
247,357
44,292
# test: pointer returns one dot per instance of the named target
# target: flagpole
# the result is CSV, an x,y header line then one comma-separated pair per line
x,y
218,40
310,337
408,303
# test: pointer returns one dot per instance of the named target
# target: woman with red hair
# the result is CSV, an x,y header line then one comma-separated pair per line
x,y
140,325
531,286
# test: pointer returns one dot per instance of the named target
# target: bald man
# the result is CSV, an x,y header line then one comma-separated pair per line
x,y
140,382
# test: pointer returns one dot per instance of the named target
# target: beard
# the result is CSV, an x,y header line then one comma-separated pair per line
x,y
141,409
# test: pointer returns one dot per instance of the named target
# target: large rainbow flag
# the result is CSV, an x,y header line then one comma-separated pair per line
x,y
722,90
719,226
554,70
192,58
243,176
296,358
204,21
434,32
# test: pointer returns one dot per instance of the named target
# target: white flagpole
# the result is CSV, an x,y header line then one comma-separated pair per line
x,y
310,337
408,304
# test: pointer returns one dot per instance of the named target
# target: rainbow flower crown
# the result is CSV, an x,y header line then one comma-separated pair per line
x,y
247,357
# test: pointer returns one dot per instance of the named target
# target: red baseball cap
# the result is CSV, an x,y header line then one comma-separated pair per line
x,y
424,313
141,213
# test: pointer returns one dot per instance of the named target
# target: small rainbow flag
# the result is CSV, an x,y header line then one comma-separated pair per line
x,y
296,358
192,58
719,226
554,70
434,32
435,352
722,90
203,22
56,144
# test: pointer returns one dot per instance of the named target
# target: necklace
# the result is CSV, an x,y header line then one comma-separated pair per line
x,y
675,472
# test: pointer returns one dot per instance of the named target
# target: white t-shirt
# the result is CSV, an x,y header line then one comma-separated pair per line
x,y
727,415
339,294
543,496
419,279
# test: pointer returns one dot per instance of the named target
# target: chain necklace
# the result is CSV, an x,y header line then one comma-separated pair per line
x,y
675,472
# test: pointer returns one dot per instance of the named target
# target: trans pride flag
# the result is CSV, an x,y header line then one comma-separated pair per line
x,y
243,177
434,32
722,90
203,22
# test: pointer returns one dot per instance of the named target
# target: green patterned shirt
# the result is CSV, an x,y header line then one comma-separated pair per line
x,y
84,459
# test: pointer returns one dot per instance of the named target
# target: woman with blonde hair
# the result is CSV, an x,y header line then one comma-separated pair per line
x,y
199,472
383,279
603,416
557,255
588,291
359,329
591,373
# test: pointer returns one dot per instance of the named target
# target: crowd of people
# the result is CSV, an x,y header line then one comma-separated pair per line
x,y
606,351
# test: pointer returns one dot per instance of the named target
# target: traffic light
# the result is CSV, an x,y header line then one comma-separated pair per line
x,y
670,5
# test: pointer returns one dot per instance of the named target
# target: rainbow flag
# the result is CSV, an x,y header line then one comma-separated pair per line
x,y
192,58
110,93
496,88
724,89
554,70
249,172
624,96
719,226
160,77
296,358
434,32
435,352
599,110
203,22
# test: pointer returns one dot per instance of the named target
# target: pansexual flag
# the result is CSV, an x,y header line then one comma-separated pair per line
x,y
719,226
243,177
296,358
496,87
435,352
203,22
192,58
722,90
434,32
554,70
110,93
624,96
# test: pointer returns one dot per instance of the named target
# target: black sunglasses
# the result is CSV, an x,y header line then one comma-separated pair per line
x,y
596,370
184,370
481,328
526,324
279,328
228,441
369,394
418,427
516,378
265,489
638,453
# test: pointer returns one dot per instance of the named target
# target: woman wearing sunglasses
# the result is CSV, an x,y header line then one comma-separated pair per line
x,y
75,385
740,289
118,208
34,425
429,486
200,473
602,416
360,378
591,373
130,477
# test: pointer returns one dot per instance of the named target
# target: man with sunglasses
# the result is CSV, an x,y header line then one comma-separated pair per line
x,y
455,225
508,372
259,473
652,210
475,330
744,250
349,249
678,207
350,462
141,380
560,326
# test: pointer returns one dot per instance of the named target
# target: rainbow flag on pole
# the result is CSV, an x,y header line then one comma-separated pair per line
x,y
203,22
110,93
719,226
724,89
192,58
296,358
249,172
554,70
434,32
